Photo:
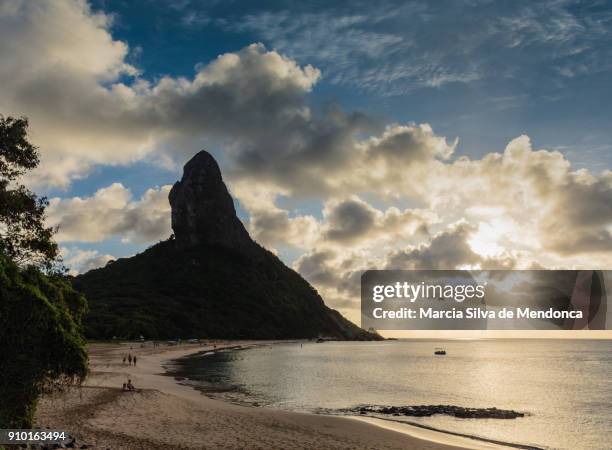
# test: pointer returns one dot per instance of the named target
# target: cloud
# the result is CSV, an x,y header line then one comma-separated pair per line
x,y
520,208
85,113
269,224
273,227
336,276
394,47
579,218
352,220
81,261
337,272
355,49
59,81
349,219
326,156
536,192
449,249
111,212
408,144
315,267
88,106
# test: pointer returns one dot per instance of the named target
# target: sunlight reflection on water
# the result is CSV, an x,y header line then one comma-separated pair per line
x,y
565,386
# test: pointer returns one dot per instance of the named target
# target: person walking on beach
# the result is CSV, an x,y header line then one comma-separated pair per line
x,y
130,359
134,359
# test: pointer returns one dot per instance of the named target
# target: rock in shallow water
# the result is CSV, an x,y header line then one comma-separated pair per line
x,y
449,410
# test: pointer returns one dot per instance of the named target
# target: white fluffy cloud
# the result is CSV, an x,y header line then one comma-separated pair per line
x,y
537,199
112,212
271,225
62,68
518,208
80,261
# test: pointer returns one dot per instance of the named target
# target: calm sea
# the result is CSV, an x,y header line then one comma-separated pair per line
x,y
564,386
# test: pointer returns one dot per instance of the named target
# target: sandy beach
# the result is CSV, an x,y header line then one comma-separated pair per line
x,y
164,414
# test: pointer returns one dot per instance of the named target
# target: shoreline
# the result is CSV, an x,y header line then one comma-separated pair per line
x,y
414,429
165,413
433,432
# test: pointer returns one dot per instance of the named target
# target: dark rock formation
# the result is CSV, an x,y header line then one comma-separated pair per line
x,y
202,209
210,281
449,410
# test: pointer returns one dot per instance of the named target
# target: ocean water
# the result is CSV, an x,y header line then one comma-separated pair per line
x,y
564,386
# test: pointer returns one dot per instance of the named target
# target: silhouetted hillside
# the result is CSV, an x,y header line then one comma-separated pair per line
x,y
210,280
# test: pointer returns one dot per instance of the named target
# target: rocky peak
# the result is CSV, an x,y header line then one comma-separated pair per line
x,y
202,209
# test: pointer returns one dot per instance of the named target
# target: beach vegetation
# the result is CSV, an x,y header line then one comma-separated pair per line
x,y
41,344
24,236
41,341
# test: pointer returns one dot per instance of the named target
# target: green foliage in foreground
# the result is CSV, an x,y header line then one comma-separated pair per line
x,y
168,292
23,234
41,345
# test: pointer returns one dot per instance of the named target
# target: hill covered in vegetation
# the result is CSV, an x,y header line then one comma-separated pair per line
x,y
209,280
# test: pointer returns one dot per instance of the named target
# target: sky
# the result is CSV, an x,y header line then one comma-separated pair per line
x,y
353,135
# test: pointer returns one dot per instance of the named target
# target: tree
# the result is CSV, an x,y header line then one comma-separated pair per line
x,y
23,234
41,342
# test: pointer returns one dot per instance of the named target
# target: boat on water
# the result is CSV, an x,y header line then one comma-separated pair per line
x,y
439,351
